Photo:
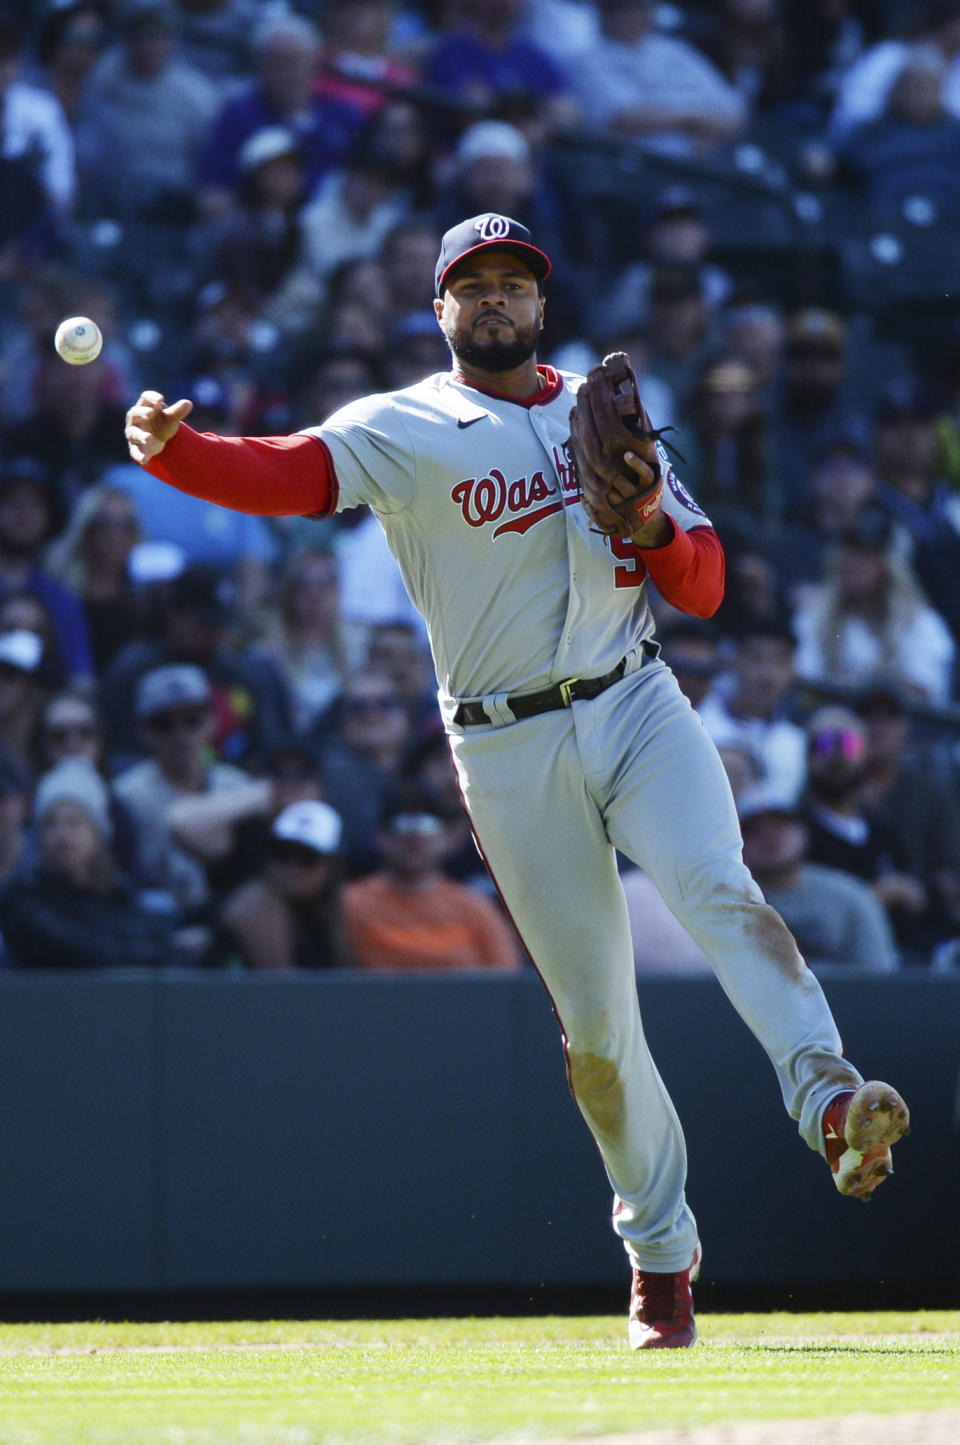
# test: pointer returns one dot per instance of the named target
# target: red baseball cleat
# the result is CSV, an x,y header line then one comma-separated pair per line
x,y
661,1309
859,1127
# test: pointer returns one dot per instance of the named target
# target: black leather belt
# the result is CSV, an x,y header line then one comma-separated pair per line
x,y
562,694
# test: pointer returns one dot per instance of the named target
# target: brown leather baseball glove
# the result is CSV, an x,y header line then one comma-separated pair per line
x,y
609,420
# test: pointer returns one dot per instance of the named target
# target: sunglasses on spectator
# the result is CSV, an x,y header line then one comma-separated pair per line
x,y
187,721
845,741
406,823
298,854
63,732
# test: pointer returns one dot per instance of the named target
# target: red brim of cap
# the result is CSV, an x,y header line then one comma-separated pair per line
x,y
537,260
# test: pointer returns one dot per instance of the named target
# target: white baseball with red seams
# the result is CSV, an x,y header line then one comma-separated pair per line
x,y
482,513
78,340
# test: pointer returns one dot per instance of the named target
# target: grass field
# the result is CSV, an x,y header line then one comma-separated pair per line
x,y
420,1382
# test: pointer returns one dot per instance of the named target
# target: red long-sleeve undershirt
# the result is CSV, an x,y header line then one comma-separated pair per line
x,y
294,476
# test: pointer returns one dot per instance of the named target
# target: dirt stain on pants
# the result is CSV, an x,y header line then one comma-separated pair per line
x,y
598,1089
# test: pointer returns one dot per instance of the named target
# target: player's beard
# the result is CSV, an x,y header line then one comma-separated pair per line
x,y
493,356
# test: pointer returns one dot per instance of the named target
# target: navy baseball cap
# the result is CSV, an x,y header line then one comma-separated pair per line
x,y
488,232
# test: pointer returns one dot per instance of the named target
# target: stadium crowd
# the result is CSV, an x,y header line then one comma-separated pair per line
x,y
219,739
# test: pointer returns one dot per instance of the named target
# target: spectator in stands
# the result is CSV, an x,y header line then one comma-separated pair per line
x,y
398,134
754,594
229,830
841,835
70,725
91,559
360,200
749,705
676,232
371,588
912,149
71,427
727,463
680,330
243,547
638,83
290,915
743,767
900,794
565,29
286,49
913,490
813,400
259,246
215,37
864,87
751,327
747,42
15,789
824,39
73,908
869,616
409,915
495,168
251,711
842,482
305,637
26,611
429,765
44,295
691,648
360,69
834,916
175,713
142,119
361,753
407,274
71,37
35,134
30,516
486,66
416,349
398,652
338,375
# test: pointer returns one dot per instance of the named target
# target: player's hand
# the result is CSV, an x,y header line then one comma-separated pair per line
x,y
151,423
658,529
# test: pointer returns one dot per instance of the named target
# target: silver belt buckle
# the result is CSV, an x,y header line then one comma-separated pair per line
x,y
565,690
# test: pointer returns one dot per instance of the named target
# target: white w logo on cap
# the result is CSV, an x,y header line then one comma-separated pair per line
x,y
493,228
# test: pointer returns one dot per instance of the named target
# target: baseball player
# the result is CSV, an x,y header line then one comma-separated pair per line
x,y
570,735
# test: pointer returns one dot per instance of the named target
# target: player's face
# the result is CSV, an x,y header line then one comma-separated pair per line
x,y
491,312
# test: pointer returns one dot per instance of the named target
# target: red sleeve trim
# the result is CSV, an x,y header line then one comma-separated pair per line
x,y
690,571
287,476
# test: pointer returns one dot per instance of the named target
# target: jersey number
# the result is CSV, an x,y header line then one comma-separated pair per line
x,y
635,571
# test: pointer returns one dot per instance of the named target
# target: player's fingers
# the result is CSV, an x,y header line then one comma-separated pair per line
x,y
141,443
179,411
646,473
149,403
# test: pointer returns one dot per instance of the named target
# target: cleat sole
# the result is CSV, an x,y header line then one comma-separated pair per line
x,y
876,1118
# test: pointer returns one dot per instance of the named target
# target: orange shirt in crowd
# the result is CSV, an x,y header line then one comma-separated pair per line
x,y
447,925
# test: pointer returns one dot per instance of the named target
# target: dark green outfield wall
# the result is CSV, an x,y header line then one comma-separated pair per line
x,y
203,1132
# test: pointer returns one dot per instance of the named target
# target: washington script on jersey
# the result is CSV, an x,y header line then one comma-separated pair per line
x,y
485,499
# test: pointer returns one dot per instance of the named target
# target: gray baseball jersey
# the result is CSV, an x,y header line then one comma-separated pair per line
x,y
476,497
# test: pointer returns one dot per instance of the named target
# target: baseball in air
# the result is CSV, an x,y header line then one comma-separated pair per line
x,y
78,340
